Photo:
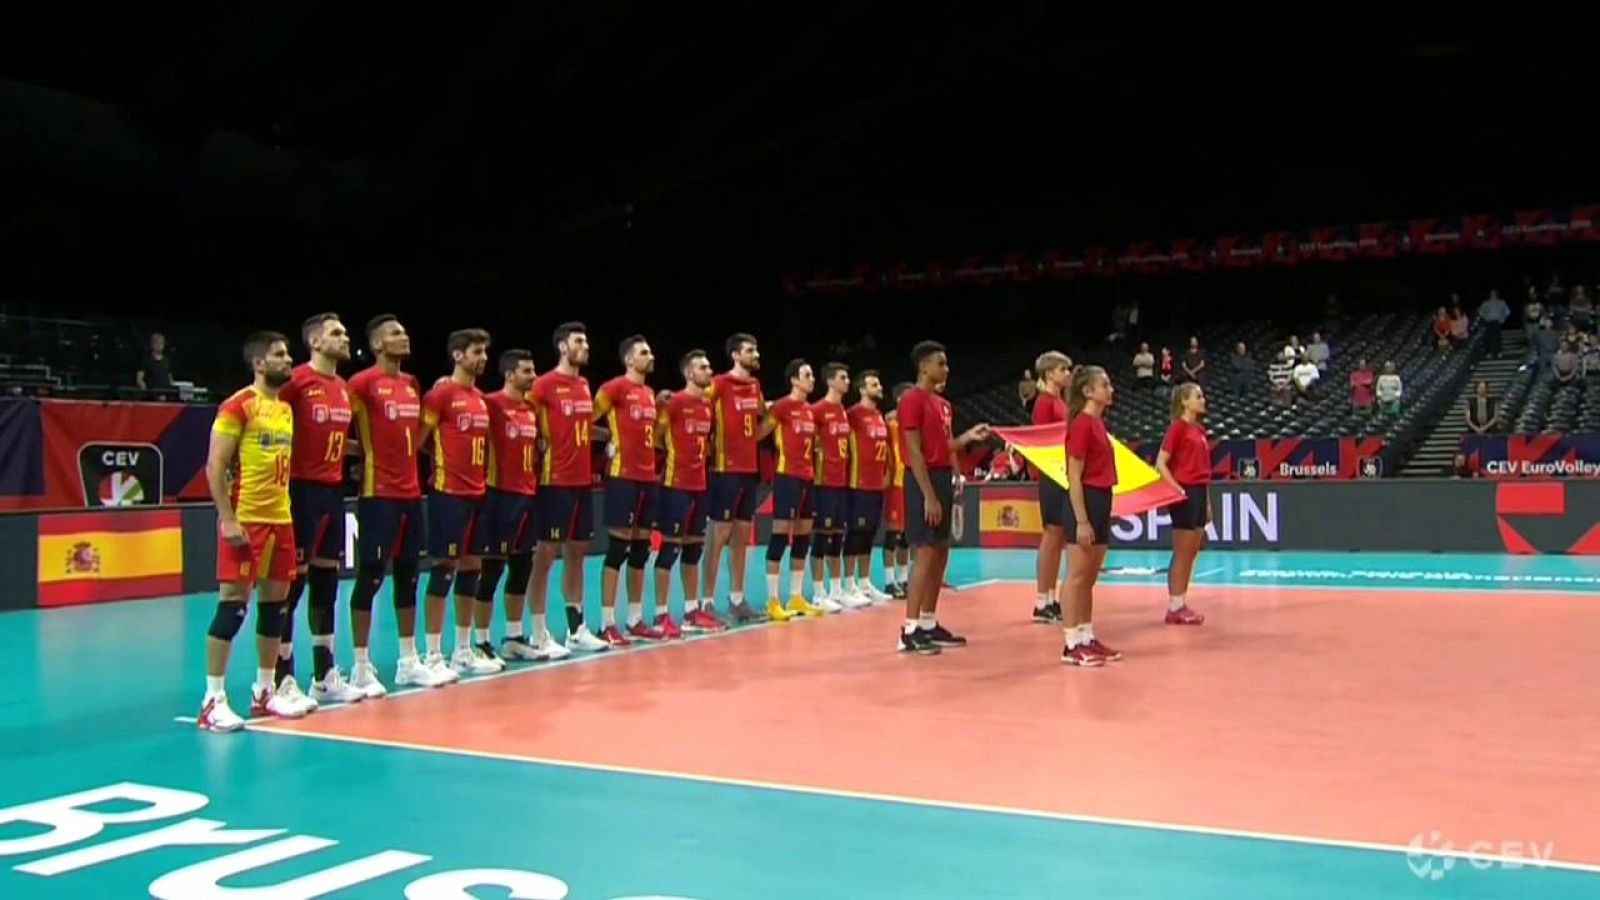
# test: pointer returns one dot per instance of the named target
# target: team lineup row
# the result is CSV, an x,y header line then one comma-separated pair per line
x,y
510,483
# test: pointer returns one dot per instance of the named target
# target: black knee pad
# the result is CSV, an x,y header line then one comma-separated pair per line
x,y
638,553
668,557
321,619
835,545
467,585
405,585
519,569
692,554
439,580
269,619
894,540
227,621
369,578
776,545
290,604
819,545
490,580
853,545
802,544
616,553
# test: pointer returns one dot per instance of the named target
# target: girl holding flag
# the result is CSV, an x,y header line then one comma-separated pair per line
x,y
1055,372
1091,475
1185,463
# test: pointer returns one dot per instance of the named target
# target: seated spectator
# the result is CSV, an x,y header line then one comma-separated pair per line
x,y
1305,375
1460,325
1362,380
1390,390
1317,351
1493,313
1581,310
1483,411
1166,370
1591,357
1441,329
1244,369
1293,349
155,368
1566,363
1144,368
1194,361
1280,381
1027,389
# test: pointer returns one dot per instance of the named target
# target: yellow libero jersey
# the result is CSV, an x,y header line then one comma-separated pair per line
x,y
265,430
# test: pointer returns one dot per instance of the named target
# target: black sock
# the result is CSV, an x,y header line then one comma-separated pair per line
x,y
574,619
324,584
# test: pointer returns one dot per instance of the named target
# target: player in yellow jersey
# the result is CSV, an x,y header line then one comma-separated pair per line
x,y
252,436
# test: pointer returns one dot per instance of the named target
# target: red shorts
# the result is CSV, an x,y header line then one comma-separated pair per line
x,y
894,509
269,556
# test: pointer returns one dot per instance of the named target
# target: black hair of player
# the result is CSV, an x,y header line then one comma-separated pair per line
x,y
870,373
566,330
376,322
832,369
259,344
924,350
734,345
460,340
513,359
792,370
901,389
687,360
627,345
312,326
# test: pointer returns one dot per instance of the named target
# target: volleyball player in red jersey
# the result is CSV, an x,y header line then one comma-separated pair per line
x,y
456,419
896,552
387,404
794,432
627,407
1185,462
321,407
738,409
510,521
870,470
831,510
684,429
1055,373
566,504
1091,474
933,452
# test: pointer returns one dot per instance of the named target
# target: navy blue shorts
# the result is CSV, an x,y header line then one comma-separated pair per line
x,y
866,511
1055,508
318,513
733,497
791,498
451,523
918,532
630,504
509,525
389,530
832,507
1097,503
681,514
1188,513
566,514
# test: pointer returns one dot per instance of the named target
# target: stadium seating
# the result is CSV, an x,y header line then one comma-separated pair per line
x,y
44,355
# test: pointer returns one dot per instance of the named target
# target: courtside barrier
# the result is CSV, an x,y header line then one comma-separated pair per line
x,y
100,555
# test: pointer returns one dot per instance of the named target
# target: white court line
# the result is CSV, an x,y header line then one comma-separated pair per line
x,y
1509,590
1208,572
903,800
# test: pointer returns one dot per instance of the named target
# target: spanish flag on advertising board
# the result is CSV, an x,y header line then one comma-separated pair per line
x,y
94,557
1139,487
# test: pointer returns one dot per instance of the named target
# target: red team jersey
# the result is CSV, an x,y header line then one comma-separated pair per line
x,y
1188,453
1087,440
321,407
869,449
513,444
1049,408
833,444
630,414
388,413
795,434
738,406
565,410
686,423
459,418
929,415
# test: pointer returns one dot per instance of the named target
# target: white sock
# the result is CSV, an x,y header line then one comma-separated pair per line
x,y
285,649
435,643
735,597
463,637
910,626
635,618
214,686
797,580
900,576
690,604
1175,603
1085,633
364,656
537,621
322,640
514,629
1072,637
264,680
928,622
1041,601
408,648
817,589
608,617
772,587
851,586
